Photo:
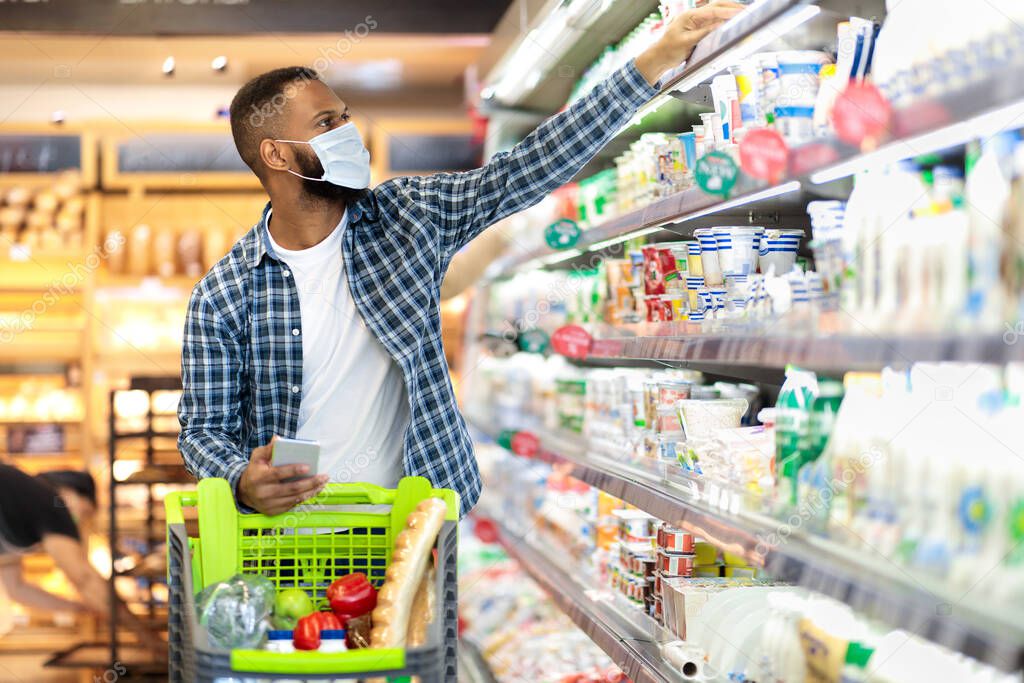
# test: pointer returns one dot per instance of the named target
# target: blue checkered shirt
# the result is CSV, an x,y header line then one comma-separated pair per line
x,y
241,364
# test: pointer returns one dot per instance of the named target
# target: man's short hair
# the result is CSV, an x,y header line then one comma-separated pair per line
x,y
257,107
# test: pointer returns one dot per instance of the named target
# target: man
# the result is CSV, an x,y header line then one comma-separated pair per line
x,y
323,322
44,513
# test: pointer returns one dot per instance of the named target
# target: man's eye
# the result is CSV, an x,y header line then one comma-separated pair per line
x,y
346,117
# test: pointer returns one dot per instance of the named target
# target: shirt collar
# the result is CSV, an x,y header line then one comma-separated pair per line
x,y
364,207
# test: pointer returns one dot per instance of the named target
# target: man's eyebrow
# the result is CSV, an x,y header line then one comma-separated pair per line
x,y
326,111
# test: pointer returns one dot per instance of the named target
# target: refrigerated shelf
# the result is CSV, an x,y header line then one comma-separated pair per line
x,y
975,111
860,348
897,596
624,638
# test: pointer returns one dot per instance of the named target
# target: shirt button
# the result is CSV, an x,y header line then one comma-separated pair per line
x,y
295,389
287,273
295,332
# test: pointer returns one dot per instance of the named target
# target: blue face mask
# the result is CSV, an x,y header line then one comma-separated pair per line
x,y
341,152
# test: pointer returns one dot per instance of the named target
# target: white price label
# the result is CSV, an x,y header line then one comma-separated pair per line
x,y
20,252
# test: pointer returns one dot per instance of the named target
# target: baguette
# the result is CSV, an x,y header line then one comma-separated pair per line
x,y
422,610
402,580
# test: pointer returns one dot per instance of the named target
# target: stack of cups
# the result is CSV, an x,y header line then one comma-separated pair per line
x,y
712,271
798,92
693,259
693,287
675,559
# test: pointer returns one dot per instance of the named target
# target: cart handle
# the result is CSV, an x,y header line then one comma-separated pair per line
x,y
175,501
333,494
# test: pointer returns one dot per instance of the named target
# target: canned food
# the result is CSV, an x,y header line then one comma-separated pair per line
x,y
675,540
676,564
671,392
648,565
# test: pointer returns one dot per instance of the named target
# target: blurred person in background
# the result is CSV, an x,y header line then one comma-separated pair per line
x,y
323,321
51,513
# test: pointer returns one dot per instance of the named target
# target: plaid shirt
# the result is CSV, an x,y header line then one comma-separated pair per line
x,y
242,361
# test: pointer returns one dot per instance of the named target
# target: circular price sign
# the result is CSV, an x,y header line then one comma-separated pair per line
x,y
505,439
562,234
572,341
534,341
862,115
525,444
764,154
717,173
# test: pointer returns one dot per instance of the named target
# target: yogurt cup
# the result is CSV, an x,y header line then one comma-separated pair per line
x,y
779,249
738,249
693,258
693,285
710,266
799,72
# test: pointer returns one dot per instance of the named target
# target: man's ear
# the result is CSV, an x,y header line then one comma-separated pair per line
x,y
271,155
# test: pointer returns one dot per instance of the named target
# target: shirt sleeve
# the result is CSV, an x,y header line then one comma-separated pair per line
x,y
467,203
210,406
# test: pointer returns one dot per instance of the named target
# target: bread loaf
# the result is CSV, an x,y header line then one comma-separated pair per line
x,y
409,561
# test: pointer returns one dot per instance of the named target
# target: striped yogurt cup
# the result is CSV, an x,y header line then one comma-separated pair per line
x,y
778,250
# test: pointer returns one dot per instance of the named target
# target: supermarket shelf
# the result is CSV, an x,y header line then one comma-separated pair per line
x,y
626,641
159,474
684,343
875,587
30,423
677,208
978,110
576,49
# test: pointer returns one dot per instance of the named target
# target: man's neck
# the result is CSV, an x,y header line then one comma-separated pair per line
x,y
300,225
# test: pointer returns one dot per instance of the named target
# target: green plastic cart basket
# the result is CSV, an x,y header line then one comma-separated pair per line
x,y
352,528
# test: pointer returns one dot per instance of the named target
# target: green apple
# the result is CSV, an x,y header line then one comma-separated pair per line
x,y
291,605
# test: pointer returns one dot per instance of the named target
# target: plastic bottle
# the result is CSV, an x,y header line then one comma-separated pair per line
x,y
848,448
987,194
814,479
792,412
332,641
281,642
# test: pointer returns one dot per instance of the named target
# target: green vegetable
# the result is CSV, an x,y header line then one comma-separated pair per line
x,y
234,612
291,605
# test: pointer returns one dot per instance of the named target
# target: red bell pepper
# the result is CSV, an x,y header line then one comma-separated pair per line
x,y
307,630
352,596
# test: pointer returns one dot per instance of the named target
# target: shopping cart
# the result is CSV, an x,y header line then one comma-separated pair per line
x,y
357,537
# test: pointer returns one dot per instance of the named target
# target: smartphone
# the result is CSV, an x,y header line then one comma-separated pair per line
x,y
297,452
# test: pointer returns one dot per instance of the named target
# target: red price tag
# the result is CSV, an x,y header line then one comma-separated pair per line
x,y
812,157
572,341
525,444
862,115
486,530
764,154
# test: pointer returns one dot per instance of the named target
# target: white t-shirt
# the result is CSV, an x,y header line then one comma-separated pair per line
x,y
354,400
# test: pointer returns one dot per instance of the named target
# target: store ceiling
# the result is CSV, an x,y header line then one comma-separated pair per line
x,y
234,17
378,62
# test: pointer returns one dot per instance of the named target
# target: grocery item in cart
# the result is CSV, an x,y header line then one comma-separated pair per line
x,y
393,616
234,612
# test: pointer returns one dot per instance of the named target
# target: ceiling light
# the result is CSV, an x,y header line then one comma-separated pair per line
x,y
168,67
219,63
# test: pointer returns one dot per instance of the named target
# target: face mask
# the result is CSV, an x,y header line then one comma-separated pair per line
x,y
341,152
